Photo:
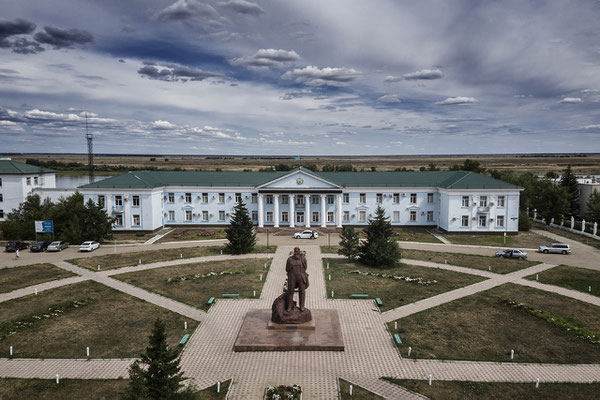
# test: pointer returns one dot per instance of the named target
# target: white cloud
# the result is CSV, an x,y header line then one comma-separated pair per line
x,y
572,100
265,58
160,124
314,76
424,74
389,98
7,123
391,78
592,127
592,91
457,100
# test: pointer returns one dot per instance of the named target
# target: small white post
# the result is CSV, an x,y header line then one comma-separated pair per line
x,y
261,277
218,387
185,325
350,390
35,291
489,267
87,351
57,378
395,325
572,222
512,354
409,350
140,261
595,230
221,251
332,294
115,247
327,265
430,377
11,350
329,276
590,289
445,261
537,382
254,293
180,255
265,265
537,277
583,225
98,267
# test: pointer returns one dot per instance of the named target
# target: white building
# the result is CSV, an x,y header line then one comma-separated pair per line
x,y
455,201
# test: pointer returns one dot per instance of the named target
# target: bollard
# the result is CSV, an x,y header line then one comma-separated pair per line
x,y
327,265
409,350
350,390
98,267
11,351
261,277
489,267
265,265
329,276
218,387
35,291
140,261
430,376
87,351
445,261
395,325
537,383
590,289
537,277
185,325
180,255
221,252
254,293
57,378
512,354
332,294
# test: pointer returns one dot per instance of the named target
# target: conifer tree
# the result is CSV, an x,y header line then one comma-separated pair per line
x,y
569,181
380,249
349,243
240,232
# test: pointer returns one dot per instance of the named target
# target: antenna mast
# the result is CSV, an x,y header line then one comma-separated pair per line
x,y
90,146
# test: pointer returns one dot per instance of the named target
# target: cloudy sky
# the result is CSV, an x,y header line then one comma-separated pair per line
x,y
300,77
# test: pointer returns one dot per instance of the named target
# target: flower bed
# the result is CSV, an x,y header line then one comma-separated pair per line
x,y
419,281
283,392
195,277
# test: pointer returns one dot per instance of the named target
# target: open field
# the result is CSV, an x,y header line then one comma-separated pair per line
x,y
240,276
357,392
482,327
393,293
62,322
28,275
182,234
464,390
536,163
580,279
529,240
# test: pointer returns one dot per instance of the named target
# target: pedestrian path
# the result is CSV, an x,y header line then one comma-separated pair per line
x,y
164,232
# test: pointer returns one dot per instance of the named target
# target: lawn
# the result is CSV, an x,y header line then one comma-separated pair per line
x,y
241,276
570,235
575,278
62,322
529,240
393,293
330,249
459,390
28,275
482,327
130,237
68,389
183,234
112,261
357,392
498,265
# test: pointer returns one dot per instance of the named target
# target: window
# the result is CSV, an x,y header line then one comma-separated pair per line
x,y
500,221
269,199
285,199
330,216
413,216
1,198
285,216
464,222
396,216
238,197
136,220
330,199
465,201
205,197
188,215
171,215
0,182
346,216
171,197
396,198
35,180
300,217
315,216
254,198
362,216
135,201
346,198
429,216
500,201
221,215
482,221
28,181
362,198
119,220
483,201
204,215
300,200
254,215
1,213
269,216
379,198
118,200
314,199
188,197
413,198
430,198
222,198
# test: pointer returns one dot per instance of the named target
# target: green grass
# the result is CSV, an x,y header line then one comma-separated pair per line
x,y
529,240
197,292
409,235
330,249
459,390
29,275
574,278
113,324
183,234
119,260
499,265
358,392
572,236
481,327
393,293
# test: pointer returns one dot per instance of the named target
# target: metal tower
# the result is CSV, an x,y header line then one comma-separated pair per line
x,y
90,145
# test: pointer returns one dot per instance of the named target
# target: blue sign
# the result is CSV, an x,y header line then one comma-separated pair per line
x,y
47,226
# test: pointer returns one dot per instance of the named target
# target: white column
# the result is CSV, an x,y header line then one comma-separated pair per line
x,y
307,210
260,211
126,211
276,210
339,209
292,217
323,216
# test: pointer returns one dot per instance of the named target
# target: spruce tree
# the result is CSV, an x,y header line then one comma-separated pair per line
x,y
240,232
569,181
157,374
380,249
349,243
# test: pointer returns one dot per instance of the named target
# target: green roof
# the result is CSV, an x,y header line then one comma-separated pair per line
x,y
441,179
10,167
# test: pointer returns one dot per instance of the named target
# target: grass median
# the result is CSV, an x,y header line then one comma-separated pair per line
x,y
196,283
393,292
485,327
29,275
62,322
580,279
185,234
530,240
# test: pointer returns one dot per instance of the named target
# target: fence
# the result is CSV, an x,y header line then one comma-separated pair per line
x,y
579,227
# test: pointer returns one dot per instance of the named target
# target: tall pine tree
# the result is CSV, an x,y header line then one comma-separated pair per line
x,y
569,181
240,232
380,249
349,243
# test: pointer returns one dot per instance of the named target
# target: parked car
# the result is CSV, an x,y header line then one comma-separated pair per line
x,y
307,234
512,253
57,245
90,245
14,245
560,248
39,247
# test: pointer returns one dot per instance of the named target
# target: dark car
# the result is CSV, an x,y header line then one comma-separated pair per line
x,y
38,247
14,245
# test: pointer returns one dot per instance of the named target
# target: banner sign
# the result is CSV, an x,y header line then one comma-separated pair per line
x,y
44,227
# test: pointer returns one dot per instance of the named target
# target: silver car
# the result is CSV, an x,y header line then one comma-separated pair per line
x,y
559,248
57,245
512,253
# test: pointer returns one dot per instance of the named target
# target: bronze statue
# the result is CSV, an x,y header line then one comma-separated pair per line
x,y
284,310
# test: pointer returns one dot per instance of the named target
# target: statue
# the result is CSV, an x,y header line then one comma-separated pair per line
x,y
284,310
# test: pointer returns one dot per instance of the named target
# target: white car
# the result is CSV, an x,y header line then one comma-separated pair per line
x,y
89,246
307,234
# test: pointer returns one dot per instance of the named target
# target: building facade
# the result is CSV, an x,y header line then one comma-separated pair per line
x,y
454,201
